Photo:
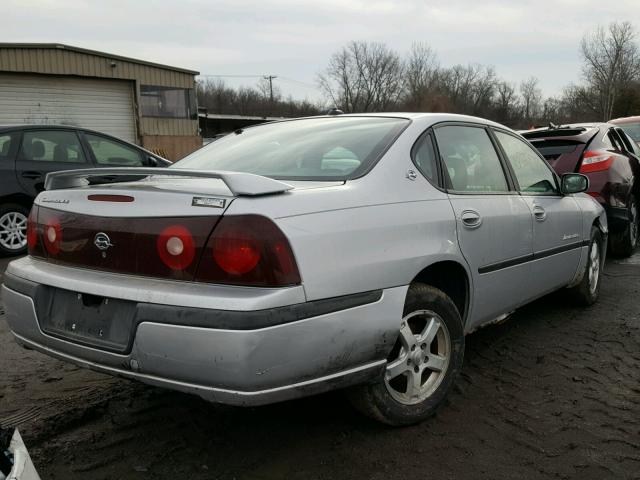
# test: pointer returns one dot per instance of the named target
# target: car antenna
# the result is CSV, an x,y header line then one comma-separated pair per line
x,y
238,131
553,126
335,111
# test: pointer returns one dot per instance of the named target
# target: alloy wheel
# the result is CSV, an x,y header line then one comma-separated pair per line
x,y
13,231
419,360
594,267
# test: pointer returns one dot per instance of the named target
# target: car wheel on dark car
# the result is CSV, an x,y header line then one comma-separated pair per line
x,y
423,363
13,229
624,243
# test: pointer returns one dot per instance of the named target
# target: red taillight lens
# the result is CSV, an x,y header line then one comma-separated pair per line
x,y
596,161
176,247
32,230
236,252
52,236
248,250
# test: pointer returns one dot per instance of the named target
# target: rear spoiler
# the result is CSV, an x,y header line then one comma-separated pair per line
x,y
238,182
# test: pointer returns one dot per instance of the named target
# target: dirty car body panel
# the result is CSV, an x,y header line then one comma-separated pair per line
x,y
358,239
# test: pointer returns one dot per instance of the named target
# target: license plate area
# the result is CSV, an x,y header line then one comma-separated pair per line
x,y
91,320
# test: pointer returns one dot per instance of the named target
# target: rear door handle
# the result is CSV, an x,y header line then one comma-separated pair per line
x,y
471,218
31,174
539,213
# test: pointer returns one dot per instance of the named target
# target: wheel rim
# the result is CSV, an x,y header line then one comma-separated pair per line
x,y
594,267
420,358
633,223
13,231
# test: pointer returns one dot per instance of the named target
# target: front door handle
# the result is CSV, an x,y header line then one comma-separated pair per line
x,y
33,175
471,219
539,213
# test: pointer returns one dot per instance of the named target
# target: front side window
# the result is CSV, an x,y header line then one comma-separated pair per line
x,y
335,148
110,152
51,146
532,174
168,102
470,160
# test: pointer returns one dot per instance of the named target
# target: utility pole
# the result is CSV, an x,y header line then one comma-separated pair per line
x,y
270,78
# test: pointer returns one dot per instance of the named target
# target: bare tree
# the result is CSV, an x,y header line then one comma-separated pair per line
x,y
531,100
611,61
363,77
421,72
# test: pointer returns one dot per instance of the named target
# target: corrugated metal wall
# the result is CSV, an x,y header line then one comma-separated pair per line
x,y
58,61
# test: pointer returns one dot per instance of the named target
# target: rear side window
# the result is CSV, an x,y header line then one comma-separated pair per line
x,y
5,146
334,148
531,172
51,146
424,157
110,152
471,162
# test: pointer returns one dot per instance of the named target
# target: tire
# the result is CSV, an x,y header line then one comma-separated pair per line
x,y
427,356
586,292
13,229
624,243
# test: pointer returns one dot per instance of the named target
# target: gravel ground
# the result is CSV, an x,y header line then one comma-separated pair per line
x,y
552,393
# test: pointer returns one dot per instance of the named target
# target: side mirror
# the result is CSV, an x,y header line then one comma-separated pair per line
x,y
574,183
153,161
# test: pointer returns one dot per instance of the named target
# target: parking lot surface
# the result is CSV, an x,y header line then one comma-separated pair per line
x,y
554,392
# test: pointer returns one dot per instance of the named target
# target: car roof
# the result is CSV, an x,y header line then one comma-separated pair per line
x,y
623,120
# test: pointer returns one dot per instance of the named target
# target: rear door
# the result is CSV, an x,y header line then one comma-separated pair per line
x,y
557,219
43,151
494,223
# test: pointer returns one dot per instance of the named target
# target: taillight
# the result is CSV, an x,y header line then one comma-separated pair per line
x,y
176,247
52,235
248,250
33,233
596,161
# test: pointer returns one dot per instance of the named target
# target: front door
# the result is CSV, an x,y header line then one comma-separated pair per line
x,y
494,223
557,219
44,151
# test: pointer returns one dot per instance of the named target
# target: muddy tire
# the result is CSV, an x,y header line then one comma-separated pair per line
x,y
422,365
624,243
586,292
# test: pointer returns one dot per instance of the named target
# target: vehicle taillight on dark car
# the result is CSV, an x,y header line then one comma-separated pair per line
x,y
596,161
248,250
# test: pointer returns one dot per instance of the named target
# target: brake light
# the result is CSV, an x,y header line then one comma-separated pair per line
x,y
176,247
596,161
52,236
33,244
248,250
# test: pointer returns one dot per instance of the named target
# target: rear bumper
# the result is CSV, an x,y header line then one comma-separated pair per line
x,y
237,364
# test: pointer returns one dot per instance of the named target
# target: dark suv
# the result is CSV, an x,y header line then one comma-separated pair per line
x,y
608,156
29,152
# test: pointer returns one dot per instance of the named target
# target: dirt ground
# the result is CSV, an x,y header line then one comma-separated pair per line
x,y
552,393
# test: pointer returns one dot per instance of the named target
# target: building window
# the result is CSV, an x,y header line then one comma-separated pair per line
x,y
168,102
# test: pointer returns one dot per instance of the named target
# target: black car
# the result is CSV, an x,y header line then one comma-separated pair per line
x,y
29,152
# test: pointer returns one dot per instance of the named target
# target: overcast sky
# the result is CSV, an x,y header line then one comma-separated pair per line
x,y
294,39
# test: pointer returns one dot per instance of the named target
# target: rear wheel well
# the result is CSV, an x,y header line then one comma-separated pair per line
x,y
19,198
451,278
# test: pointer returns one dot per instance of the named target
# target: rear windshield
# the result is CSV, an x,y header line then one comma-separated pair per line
x,y
552,149
335,148
632,129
